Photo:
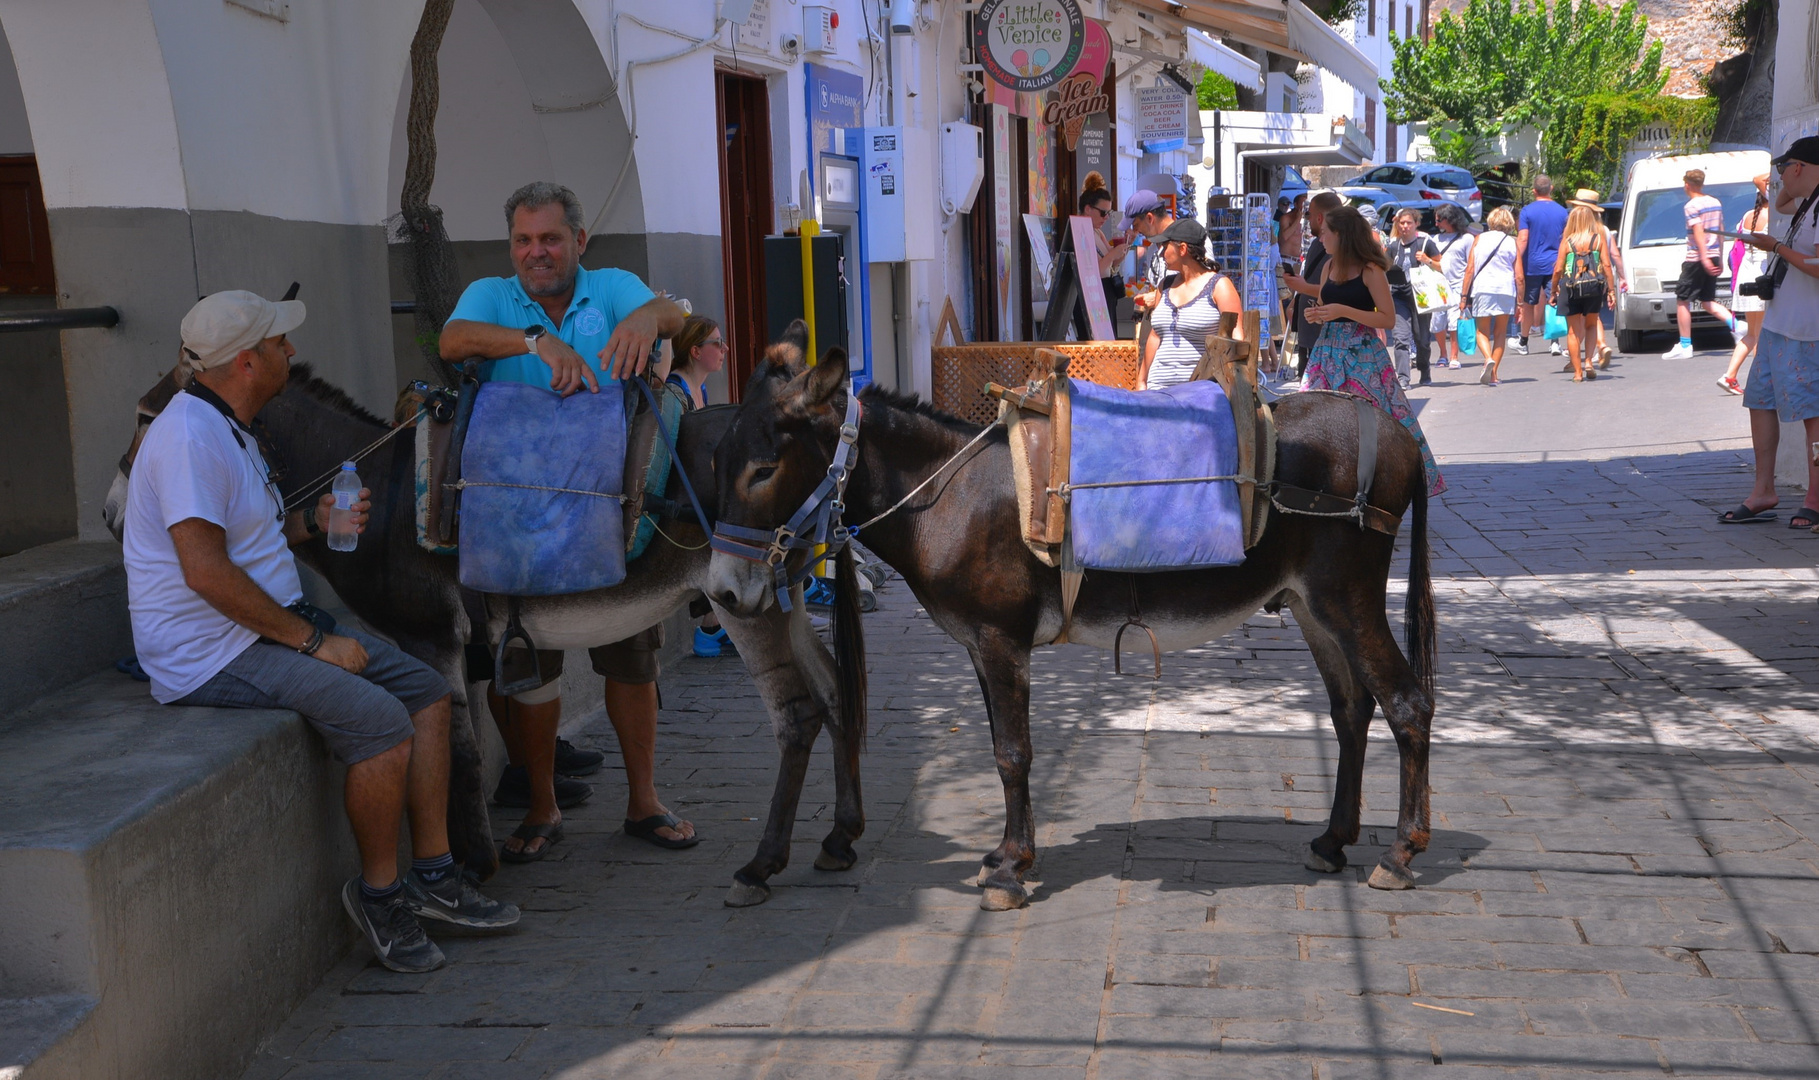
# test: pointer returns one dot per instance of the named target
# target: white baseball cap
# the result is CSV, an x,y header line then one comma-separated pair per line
x,y
222,324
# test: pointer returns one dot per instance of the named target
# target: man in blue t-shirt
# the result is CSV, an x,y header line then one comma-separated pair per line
x,y
554,324
1538,231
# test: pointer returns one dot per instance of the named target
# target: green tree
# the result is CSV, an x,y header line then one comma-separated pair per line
x,y
1521,62
1217,92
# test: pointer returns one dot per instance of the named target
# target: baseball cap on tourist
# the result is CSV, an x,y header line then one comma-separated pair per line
x,y
1806,150
1143,201
222,324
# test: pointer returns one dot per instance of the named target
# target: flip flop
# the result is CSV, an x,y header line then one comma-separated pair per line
x,y
550,834
647,830
1804,518
1743,515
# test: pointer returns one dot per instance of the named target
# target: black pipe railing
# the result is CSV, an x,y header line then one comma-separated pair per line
x,y
404,307
17,322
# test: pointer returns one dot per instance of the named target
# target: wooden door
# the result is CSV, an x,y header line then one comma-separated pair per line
x,y
746,215
25,236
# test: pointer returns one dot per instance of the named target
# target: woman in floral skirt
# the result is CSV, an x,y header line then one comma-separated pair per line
x,y
1354,303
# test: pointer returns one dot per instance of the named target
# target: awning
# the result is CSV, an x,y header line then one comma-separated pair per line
x,y
1214,56
1338,154
1309,34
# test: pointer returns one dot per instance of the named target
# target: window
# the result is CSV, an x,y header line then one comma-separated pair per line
x,y
1448,180
1370,122
1370,24
1408,21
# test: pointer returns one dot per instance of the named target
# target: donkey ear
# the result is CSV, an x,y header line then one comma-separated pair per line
x,y
827,378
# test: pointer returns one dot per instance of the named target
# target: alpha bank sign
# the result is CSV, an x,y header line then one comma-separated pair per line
x,y
1029,45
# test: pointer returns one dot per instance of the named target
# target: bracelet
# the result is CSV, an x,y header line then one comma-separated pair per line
x,y
309,521
309,647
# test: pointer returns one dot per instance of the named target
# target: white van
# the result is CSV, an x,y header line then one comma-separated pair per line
x,y
1652,236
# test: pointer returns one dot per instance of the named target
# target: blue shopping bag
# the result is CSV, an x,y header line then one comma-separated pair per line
x,y
1554,327
1466,331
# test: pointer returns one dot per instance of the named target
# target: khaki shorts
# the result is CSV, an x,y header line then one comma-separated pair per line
x,y
633,660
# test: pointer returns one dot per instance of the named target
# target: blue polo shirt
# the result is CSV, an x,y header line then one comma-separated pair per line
x,y
1545,221
602,298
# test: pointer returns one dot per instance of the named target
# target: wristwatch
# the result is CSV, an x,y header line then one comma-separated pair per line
x,y
531,334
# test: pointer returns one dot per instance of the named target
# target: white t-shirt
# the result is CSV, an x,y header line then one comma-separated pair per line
x,y
1454,251
1794,312
189,466
1495,259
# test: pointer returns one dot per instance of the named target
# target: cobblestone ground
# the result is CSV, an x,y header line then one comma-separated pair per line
x,y
1621,879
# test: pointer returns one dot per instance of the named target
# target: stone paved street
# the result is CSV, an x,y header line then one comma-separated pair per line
x,y
1622,876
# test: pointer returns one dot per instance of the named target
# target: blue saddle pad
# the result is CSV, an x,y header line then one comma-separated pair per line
x,y
521,537
1180,432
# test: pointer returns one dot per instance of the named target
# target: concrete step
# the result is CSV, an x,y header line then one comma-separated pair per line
x,y
31,1026
62,617
176,868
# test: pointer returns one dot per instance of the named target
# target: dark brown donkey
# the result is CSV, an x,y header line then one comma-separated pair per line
x,y
958,545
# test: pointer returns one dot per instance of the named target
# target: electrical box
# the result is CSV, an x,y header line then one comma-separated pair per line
x,y
962,166
880,154
818,26
920,227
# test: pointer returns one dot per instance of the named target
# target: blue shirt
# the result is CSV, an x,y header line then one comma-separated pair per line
x,y
602,298
1545,220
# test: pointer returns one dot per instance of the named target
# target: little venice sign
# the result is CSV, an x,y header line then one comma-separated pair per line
x,y
1029,45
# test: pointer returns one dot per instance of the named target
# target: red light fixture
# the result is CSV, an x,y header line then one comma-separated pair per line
x,y
833,20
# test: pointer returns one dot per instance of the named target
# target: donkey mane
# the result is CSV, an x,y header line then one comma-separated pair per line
x,y
909,401
303,378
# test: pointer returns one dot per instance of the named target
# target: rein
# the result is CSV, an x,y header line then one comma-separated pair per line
x,y
815,522
305,493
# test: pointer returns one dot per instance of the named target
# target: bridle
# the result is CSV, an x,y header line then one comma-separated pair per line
x,y
815,522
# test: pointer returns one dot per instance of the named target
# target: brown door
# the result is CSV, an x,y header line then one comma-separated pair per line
x,y
25,236
746,215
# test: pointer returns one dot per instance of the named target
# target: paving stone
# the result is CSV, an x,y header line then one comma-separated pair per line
x,y
1625,845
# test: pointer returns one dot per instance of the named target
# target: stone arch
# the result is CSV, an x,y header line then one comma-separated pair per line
x,y
525,94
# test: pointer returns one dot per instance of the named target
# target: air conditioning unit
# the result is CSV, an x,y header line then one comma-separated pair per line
x,y
962,166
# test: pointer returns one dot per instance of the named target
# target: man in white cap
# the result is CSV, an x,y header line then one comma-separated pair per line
x,y
218,619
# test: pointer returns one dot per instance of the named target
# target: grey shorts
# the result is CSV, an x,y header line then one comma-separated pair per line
x,y
359,716
632,660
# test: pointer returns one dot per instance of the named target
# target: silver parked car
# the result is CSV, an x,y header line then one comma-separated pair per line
x,y
1414,181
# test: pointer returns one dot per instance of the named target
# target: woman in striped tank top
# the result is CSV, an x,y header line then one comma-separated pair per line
x,y
1193,296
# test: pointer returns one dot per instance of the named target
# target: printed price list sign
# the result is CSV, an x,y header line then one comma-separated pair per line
x,y
1259,260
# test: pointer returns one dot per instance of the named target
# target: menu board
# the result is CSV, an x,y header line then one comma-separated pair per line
x,y
1098,314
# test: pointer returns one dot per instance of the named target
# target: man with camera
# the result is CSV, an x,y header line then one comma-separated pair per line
x,y
1784,381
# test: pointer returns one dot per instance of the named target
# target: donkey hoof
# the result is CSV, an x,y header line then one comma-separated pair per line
x,y
828,860
1391,878
1323,865
999,897
743,895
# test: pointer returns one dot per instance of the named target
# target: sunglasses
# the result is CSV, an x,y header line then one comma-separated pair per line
x,y
717,343
1781,167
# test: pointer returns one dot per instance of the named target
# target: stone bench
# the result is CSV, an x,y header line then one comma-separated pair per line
x,y
170,879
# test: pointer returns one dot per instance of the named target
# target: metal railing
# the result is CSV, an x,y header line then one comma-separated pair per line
x,y
18,322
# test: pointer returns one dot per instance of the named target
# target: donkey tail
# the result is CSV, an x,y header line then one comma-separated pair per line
x,y
849,652
1418,615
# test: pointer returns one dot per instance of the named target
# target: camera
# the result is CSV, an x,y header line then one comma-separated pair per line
x,y
1763,288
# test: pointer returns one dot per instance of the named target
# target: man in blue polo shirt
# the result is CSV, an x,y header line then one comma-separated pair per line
x,y
554,324
1538,232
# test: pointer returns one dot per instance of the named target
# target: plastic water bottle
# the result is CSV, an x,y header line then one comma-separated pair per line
x,y
341,534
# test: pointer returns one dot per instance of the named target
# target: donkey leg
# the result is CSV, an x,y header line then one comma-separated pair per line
x,y
796,718
1385,673
1352,708
1004,674
470,826
817,666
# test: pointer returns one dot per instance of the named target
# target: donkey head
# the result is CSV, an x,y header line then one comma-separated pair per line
x,y
772,457
113,511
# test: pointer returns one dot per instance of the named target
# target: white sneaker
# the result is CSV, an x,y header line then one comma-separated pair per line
x,y
1556,349
1521,345
1682,351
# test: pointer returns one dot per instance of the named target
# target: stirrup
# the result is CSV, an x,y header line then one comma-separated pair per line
x,y
514,631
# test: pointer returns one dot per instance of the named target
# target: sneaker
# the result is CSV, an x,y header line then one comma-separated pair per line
x,y
1426,380
1454,364
514,790
1403,380
571,760
818,593
396,937
1730,385
709,645
455,900
1522,345
1556,349
1682,351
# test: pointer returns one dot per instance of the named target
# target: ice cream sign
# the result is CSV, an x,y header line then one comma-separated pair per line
x,y
1029,45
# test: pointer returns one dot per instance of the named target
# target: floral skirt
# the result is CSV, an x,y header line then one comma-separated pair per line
x,y
1348,358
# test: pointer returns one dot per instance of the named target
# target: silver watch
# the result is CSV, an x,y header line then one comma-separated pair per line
x,y
531,334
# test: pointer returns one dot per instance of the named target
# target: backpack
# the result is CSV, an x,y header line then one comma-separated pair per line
x,y
1582,280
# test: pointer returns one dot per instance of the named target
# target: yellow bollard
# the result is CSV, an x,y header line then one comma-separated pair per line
x,y
810,229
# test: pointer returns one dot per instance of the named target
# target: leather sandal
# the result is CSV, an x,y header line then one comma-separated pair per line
x,y
647,830
550,834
